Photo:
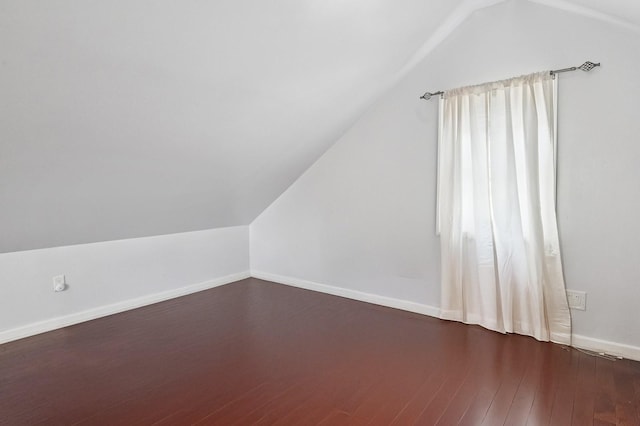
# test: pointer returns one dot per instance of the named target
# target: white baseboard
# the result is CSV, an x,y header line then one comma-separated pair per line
x,y
102,311
578,341
390,302
604,346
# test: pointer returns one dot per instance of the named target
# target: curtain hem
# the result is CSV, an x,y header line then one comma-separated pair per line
x,y
522,329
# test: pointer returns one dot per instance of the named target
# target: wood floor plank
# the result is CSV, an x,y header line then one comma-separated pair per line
x,y
605,398
625,399
454,378
563,403
414,408
523,399
481,371
555,361
258,353
488,386
584,400
515,367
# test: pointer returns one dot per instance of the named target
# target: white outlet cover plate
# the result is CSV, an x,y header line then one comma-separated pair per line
x,y
577,299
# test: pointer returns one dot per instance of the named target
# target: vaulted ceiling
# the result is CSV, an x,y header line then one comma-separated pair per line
x,y
121,119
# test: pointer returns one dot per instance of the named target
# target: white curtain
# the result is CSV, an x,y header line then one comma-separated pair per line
x,y
501,265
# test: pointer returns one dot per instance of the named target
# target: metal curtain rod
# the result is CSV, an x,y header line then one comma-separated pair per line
x,y
587,66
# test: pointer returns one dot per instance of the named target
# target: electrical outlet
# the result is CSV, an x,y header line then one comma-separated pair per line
x,y
577,299
59,283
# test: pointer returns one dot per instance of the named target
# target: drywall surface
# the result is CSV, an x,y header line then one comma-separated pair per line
x,y
362,217
137,118
110,273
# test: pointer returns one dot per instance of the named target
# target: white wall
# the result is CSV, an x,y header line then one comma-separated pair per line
x,y
108,277
362,218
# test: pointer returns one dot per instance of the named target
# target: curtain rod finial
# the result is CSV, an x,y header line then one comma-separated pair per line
x,y
429,95
588,66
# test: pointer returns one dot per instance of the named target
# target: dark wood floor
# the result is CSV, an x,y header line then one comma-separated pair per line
x,y
259,353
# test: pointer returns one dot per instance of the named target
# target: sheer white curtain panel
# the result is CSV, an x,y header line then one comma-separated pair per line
x,y
500,251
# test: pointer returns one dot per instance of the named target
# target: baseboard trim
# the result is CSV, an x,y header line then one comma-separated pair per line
x,y
606,347
390,302
578,341
103,311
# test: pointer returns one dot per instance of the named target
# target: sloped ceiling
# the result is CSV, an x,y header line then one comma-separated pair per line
x,y
129,118
121,119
